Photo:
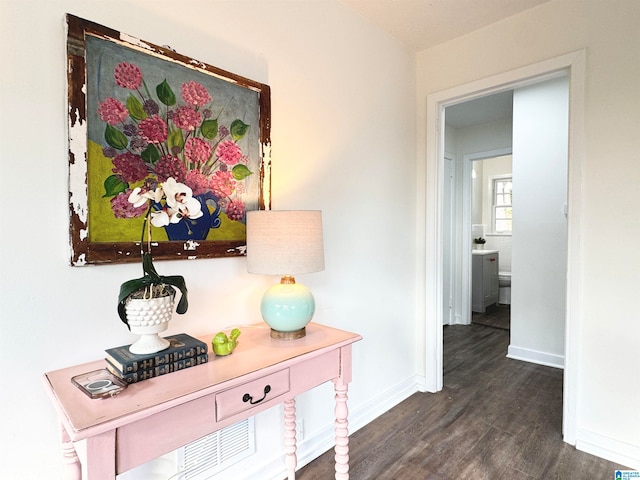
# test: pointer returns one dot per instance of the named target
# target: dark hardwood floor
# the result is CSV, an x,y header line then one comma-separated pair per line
x,y
496,316
495,418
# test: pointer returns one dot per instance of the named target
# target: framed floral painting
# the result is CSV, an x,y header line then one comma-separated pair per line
x,y
144,119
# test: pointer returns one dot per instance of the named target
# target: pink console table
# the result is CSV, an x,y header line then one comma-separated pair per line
x,y
156,416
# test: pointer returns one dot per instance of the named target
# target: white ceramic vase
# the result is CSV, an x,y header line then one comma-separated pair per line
x,y
148,317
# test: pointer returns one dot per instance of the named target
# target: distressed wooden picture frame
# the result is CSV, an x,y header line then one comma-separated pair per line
x,y
139,114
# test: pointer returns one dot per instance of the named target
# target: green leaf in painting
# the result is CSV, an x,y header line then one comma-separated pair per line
x,y
209,129
241,171
238,129
115,138
113,186
175,139
136,110
150,154
165,94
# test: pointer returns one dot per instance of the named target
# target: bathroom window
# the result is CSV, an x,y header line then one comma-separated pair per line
x,y
502,210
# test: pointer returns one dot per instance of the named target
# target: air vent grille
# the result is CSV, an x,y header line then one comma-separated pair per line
x,y
209,455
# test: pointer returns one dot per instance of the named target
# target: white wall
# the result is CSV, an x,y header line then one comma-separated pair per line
x,y
477,192
539,257
343,136
608,325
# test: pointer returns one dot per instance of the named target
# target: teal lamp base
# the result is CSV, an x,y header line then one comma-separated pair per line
x,y
287,307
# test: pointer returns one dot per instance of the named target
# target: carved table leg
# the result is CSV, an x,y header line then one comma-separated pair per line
x,y
342,431
72,467
290,437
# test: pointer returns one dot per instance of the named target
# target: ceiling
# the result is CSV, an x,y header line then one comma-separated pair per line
x,y
422,24
498,106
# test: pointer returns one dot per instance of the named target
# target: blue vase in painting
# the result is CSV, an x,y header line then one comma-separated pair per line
x,y
197,228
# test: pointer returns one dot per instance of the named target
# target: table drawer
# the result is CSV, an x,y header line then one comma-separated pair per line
x,y
246,396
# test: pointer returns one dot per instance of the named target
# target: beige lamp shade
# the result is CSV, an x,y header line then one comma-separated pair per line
x,y
284,242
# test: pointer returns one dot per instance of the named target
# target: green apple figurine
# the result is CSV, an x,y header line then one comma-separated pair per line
x,y
223,345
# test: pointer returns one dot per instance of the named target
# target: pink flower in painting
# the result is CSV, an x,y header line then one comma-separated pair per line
x,y
109,152
170,166
222,184
223,131
195,94
235,210
154,142
127,75
151,107
197,181
187,118
137,145
112,111
229,152
197,150
122,208
129,167
153,129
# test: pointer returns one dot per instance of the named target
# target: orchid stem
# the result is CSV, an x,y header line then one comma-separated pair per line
x,y
146,225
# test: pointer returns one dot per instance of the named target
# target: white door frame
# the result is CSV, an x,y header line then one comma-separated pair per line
x,y
574,63
449,270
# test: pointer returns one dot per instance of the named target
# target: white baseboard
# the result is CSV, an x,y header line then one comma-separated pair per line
x,y
312,447
385,401
613,450
421,384
534,356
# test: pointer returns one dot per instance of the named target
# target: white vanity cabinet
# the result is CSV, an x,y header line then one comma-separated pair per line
x,y
484,279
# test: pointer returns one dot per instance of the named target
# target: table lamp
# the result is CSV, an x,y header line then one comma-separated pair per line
x,y
285,243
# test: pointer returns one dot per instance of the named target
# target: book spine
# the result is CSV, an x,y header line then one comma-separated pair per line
x,y
140,375
163,358
189,353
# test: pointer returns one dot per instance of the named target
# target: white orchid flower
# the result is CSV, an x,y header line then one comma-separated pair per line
x,y
159,218
176,192
180,199
139,196
192,208
175,215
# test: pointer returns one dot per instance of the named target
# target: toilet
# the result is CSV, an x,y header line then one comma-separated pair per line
x,y
504,282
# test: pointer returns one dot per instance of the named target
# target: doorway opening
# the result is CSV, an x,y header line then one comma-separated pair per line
x,y
491,225
573,65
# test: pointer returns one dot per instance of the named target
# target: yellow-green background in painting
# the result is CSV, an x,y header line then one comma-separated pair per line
x,y
105,227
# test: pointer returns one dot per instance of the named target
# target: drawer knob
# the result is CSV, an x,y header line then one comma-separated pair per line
x,y
249,398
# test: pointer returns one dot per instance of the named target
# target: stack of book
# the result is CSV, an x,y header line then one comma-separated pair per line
x,y
183,352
